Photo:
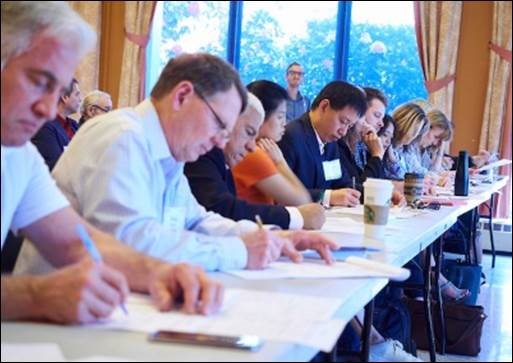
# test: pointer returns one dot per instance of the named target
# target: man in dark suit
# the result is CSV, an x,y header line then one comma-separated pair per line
x,y
310,144
211,180
55,135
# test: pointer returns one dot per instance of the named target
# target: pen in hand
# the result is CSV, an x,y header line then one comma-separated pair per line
x,y
259,222
354,182
93,251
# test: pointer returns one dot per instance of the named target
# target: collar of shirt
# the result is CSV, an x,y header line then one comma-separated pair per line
x,y
153,130
299,97
66,125
322,145
159,148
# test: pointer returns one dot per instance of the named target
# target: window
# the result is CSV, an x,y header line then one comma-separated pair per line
x,y
186,26
383,50
277,33
381,47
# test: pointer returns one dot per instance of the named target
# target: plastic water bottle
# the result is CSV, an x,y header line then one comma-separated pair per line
x,y
462,179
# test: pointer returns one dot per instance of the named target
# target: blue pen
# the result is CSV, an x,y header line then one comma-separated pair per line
x,y
93,251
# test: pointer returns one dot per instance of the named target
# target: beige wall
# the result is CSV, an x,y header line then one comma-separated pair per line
x,y
472,74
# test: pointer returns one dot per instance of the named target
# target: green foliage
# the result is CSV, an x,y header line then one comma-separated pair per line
x,y
386,57
381,56
194,26
266,53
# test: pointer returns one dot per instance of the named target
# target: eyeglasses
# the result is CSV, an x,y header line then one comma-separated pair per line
x,y
102,109
221,125
295,73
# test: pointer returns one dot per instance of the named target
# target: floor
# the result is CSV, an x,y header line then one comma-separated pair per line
x,y
496,297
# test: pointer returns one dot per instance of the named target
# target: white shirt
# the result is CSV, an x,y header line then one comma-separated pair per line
x,y
119,174
28,191
327,193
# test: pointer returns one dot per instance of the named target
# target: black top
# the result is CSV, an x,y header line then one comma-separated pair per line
x,y
51,139
212,184
372,169
301,150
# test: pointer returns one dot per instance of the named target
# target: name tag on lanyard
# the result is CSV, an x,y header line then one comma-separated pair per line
x,y
332,170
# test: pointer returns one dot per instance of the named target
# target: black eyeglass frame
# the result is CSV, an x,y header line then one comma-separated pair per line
x,y
220,123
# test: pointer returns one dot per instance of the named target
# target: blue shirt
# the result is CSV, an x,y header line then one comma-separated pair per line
x,y
296,108
408,161
118,172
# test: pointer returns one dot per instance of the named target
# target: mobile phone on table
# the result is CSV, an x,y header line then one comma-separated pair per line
x,y
247,342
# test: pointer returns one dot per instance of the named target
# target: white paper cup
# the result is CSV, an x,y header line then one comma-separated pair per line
x,y
376,206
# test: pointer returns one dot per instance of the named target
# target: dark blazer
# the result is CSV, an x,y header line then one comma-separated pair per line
x,y
373,168
212,185
51,139
301,150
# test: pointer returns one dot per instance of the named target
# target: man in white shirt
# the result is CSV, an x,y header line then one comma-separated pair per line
x,y
130,182
42,43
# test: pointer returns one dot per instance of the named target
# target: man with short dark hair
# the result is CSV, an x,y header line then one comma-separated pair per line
x,y
55,135
310,148
297,104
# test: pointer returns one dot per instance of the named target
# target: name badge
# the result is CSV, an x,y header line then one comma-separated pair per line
x,y
332,169
174,217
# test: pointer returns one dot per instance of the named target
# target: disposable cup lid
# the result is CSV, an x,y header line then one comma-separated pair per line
x,y
378,183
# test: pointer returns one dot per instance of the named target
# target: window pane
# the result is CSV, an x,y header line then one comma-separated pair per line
x,y
383,50
277,33
186,26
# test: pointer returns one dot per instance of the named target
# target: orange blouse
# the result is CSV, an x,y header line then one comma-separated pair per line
x,y
255,167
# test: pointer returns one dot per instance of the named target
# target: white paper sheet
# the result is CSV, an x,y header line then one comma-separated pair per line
x,y
341,224
395,213
33,352
344,239
102,358
354,267
275,316
349,225
341,211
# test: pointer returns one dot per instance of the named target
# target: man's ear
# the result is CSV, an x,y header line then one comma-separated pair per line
x,y
89,111
324,104
181,94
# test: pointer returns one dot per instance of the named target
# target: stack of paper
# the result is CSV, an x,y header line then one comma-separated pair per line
x,y
275,316
353,267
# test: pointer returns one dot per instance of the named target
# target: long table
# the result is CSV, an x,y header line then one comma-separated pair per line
x,y
414,235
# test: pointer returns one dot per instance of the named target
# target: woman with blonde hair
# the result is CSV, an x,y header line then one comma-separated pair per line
x,y
432,143
411,123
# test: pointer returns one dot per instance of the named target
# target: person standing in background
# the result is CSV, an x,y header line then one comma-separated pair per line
x,y
297,104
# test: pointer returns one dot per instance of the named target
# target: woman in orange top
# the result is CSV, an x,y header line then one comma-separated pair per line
x,y
264,176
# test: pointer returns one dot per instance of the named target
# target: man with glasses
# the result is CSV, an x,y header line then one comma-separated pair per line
x,y
54,136
124,171
94,103
297,104
42,44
